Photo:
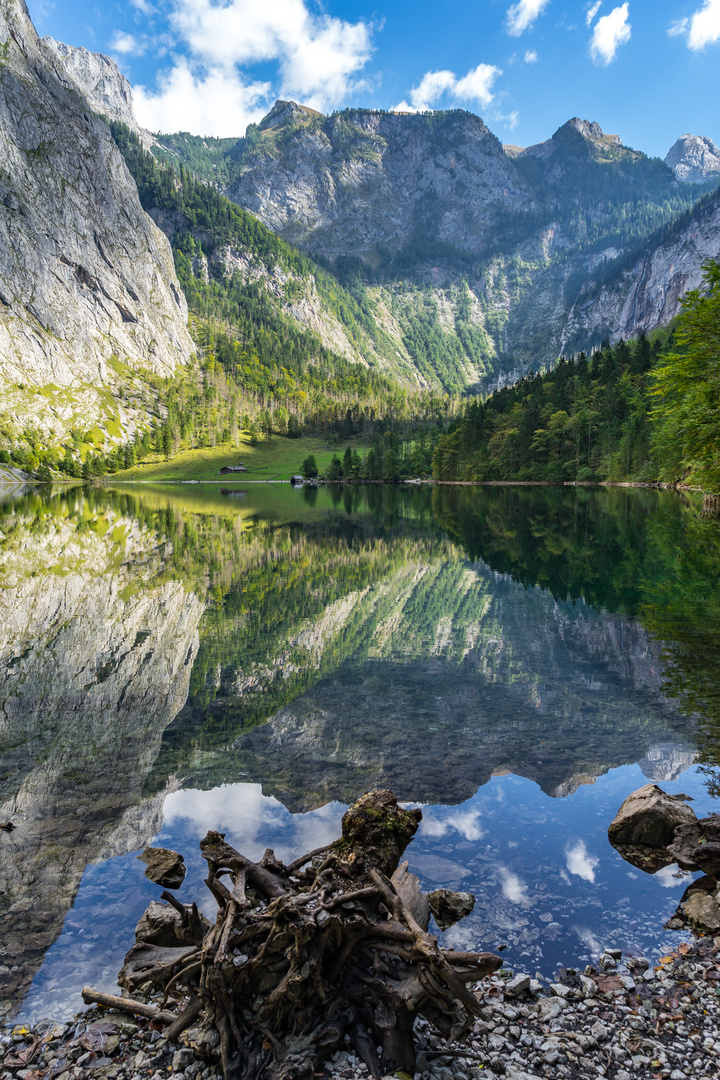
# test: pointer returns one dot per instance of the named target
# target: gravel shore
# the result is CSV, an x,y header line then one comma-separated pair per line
x,y
622,1018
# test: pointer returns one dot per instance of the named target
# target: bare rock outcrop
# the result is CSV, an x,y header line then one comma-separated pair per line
x,y
101,81
695,159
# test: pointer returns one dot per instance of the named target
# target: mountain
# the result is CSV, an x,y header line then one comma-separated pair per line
x,y
320,182
88,290
694,158
415,208
430,254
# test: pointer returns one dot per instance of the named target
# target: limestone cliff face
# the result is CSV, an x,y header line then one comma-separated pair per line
x,y
345,184
648,294
94,664
100,80
694,158
85,275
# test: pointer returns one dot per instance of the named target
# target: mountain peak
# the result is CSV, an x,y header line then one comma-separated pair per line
x,y
694,158
589,130
287,112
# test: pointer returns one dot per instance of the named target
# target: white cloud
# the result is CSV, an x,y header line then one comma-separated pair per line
x,y
218,102
592,12
513,888
522,15
531,57
704,28
675,29
610,32
319,60
144,7
579,862
510,120
669,877
127,44
317,55
475,86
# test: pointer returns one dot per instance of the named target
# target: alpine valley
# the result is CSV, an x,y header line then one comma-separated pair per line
x,y
371,254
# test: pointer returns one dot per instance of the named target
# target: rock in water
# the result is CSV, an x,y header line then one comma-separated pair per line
x,y
649,817
164,867
696,845
449,907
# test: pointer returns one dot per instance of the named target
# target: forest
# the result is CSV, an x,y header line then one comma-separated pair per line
x,y
642,411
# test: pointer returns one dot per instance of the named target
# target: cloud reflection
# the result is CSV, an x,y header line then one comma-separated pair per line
x,y
666,877
466,822
251,820
579,862
513,888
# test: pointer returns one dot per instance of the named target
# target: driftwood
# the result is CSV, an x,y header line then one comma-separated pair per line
x,y
128,1005
303,960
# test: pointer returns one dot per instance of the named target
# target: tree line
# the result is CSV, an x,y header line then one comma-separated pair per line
x,y
638,411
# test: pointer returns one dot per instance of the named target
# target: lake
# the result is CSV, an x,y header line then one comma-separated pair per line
x,y
253,658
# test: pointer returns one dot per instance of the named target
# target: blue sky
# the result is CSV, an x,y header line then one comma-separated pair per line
x,y
647,70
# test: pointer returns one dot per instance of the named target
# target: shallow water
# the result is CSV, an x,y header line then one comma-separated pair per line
x,y
515,661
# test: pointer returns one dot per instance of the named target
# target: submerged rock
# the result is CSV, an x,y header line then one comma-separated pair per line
x,y
649,817
449,907
164,867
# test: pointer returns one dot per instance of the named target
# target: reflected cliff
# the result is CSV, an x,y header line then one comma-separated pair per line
x,y
95,661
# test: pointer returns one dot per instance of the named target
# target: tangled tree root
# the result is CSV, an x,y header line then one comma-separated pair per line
x,y
303,958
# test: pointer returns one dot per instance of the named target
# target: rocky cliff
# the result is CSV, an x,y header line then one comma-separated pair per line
x,y
397,202
95,661
694,158
646,294
100,81
361,180
86,278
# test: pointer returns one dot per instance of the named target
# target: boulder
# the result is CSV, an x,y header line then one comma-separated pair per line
x,y
161,924
702,912
696,845
164,867
450,907
649,817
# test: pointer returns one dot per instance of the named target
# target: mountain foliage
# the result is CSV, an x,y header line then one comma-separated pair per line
x,y
640,411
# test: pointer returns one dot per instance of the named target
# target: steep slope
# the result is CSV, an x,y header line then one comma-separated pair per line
x,y
86,278
99,79
320,182
642,291
694,158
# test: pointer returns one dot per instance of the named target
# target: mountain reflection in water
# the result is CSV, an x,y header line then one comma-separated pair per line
x,y
174,660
